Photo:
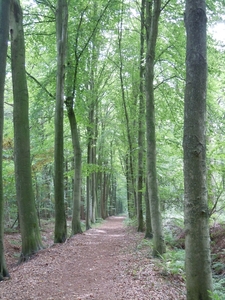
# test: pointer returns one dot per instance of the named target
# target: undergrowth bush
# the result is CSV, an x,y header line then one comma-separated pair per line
x,y
218,289
172,262
130,222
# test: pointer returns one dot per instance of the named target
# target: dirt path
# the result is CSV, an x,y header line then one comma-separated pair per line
x,y
101,264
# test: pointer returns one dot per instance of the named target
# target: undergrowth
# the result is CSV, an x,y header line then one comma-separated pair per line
x,y
218,289
130,222
172,263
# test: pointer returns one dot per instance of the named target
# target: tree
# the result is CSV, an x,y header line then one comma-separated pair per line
x,y
141,129
129,158
30,233
153,9
197,247
4,32
148,230
73,58
82,61
61,35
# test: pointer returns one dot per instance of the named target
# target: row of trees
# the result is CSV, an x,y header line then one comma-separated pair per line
x,y
105,65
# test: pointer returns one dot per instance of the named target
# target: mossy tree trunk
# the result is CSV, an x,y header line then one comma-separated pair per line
x,y
30,233
4,33
197,241
61,36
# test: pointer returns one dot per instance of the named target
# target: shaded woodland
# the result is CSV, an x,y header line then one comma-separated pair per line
x,y
110,108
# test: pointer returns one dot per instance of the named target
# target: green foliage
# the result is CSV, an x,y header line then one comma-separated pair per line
x,y
93,49
145,243
218,267
218,289
172,262
173,229
130,222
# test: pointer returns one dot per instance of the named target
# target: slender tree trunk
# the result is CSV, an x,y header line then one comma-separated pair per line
x,y
91,160
4,34
141,125
76,226
89,176
88,197
112,200
104,197
130,199
197,241
127,120
71,113
152,32
61,36
148,230
94,188
93,139
31,239
114,190
92,117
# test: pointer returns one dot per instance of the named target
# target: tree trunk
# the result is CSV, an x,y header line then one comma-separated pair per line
x,y
76,226
31,240
4,32
141,125
104,196
130,163
148,229
93,138
89,182
92,116
197,241
88,202
130,199
152,32
61,36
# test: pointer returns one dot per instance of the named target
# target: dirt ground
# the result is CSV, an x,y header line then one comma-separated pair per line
x,y
103,263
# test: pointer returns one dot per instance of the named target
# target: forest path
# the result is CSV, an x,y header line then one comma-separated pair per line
x,y
103,263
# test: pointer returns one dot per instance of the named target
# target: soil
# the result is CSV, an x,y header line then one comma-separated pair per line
x,y
217,236
103,263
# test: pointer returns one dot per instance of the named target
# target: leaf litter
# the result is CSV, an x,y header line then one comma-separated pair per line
x,y
103,263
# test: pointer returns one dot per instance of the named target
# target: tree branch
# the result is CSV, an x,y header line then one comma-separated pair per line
x,y
40,84
162,8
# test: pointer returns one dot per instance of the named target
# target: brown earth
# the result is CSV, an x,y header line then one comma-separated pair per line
x,y
217,236
105,263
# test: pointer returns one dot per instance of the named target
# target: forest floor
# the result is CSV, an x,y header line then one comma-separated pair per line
x,y
108,262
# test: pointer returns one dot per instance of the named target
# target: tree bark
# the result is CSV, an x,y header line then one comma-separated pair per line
x,y
76,225
152,33
4,33
104,196
31,239
130,161
197,241
148,230
141,133
88,193
61,36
